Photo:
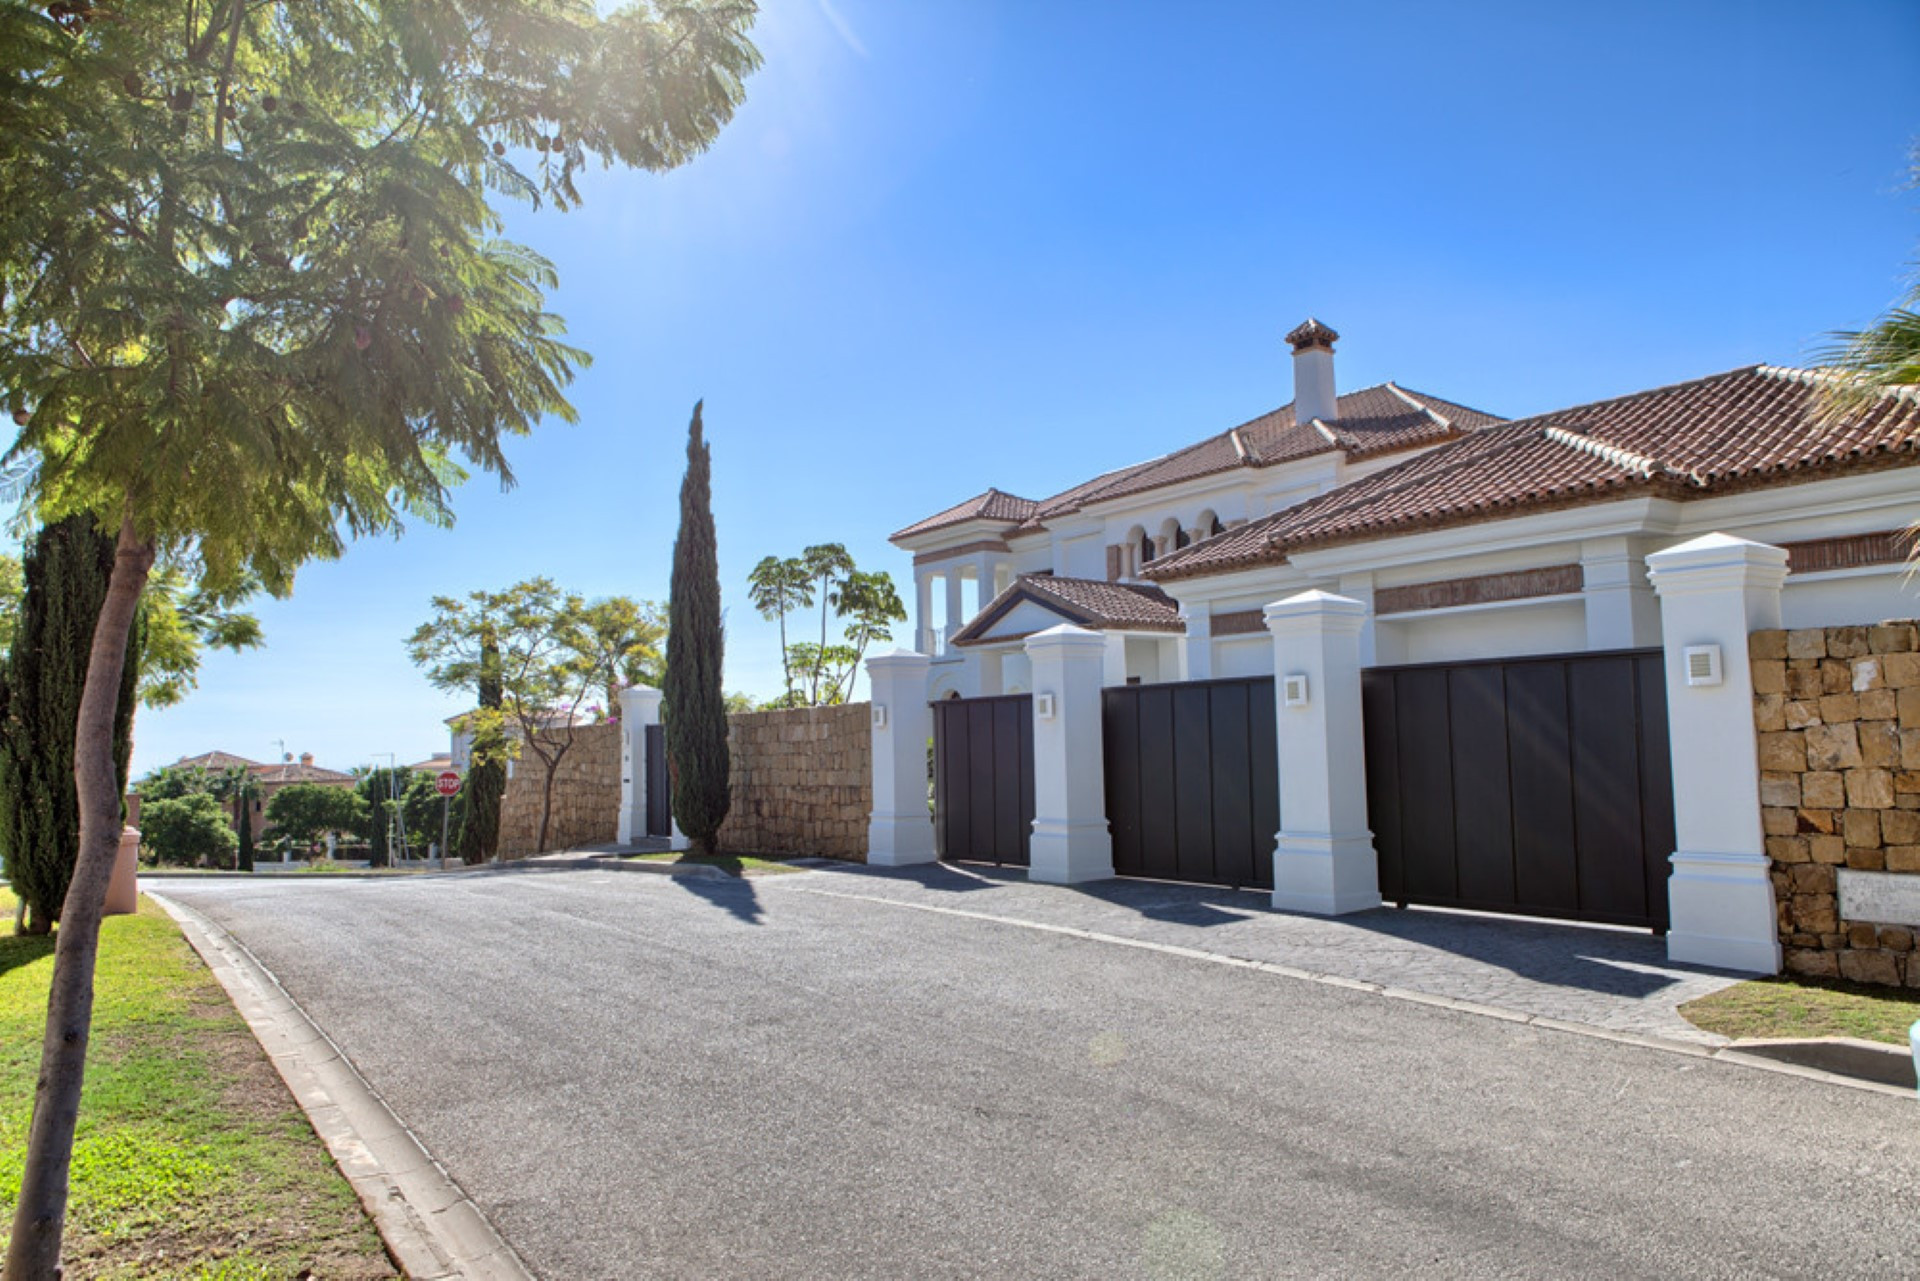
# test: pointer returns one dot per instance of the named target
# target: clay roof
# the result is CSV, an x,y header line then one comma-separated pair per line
x,y
1742,429
1087,602
992,505
294,772
215,762
1374,420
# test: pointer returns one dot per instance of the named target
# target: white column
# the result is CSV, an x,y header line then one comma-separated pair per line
x,y
955,606
1071,842
1323,861
923,610
1713,591
983,575
1622,611
639,708
1196,647
1360,587
1113,659
900,827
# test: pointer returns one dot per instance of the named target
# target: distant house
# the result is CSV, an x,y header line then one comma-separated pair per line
x,y
268,779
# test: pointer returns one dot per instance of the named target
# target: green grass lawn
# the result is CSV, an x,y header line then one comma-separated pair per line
x,y
1789,1007
733,864
192,1160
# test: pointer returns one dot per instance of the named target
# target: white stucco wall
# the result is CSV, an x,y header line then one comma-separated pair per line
x,y
1243,656
1850,598
1437,636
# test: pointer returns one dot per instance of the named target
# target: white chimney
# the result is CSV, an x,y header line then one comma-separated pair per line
x,y
1313,392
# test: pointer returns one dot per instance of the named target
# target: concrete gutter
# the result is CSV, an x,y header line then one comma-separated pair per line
x,y
430,1226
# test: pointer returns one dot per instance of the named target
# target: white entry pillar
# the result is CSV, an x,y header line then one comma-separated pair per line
x,y
639,708
956,605
1071,842
900,827
1323,861
1714,591
1196,646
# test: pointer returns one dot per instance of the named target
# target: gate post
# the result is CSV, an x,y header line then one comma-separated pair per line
x,y
639,708
1071,842
1323,860
1713,591
900,828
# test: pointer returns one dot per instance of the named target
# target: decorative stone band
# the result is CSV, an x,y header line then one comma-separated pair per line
x,y
1240,622
1483,589
1887,547
965,549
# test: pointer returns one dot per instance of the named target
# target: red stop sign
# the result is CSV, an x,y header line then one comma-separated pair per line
x,y
447,783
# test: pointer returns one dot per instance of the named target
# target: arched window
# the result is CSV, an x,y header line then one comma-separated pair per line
x,y
1146,547
1208,525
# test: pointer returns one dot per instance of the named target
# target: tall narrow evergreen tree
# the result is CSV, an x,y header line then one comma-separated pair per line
x,y
695,708
66,574
487,773
244,800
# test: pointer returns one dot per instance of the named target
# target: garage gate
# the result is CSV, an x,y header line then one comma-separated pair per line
x,y
1540,786
983,779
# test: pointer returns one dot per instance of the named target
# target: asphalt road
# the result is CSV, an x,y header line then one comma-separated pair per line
x,y
639,1076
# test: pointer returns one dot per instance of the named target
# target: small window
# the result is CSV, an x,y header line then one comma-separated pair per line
x,y
1146,549
1180,539
1217,530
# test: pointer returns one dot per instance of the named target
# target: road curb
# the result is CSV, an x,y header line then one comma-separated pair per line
x,y
430,1226
1732,1054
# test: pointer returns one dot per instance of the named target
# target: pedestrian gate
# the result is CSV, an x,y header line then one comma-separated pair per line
x,y
1193,780
1541,786
659,783
983,778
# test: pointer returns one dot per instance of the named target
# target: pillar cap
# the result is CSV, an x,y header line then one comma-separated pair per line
x,y
1714,560
1067,636
638,695
898,660
1308,606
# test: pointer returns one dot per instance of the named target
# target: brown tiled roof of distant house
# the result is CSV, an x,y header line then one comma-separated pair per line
x,y
992,505
215,762
1743,429
1088,602
295,772
1372,421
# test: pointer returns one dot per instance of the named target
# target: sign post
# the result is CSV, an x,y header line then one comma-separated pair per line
x,y
447,783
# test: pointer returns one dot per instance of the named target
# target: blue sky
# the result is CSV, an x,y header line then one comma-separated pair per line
x,y
951,243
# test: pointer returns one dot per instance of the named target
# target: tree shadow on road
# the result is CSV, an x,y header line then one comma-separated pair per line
x,y
733,894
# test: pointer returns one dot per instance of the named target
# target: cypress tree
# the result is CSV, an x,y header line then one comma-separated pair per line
x,y
695,709
245,790
66,573
487,774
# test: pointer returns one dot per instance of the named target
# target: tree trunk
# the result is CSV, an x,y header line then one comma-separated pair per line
x,y
546,798
40,1216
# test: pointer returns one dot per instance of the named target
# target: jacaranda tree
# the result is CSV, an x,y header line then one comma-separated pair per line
x,y
253,303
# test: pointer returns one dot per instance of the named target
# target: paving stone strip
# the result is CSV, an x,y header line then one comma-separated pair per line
x,y
430,1226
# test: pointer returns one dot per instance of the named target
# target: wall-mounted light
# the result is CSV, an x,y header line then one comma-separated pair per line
x,y
879,715
1703,665
1043,706
1293,690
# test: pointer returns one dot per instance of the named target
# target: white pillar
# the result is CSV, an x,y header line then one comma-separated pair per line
x,y
1713,591
1196,647
1622,611
1323,861
1360,587
955,606
1071,842
900,827
639,708
923,610
1113,659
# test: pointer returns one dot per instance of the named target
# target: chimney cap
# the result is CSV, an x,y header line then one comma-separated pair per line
x,y
1311,333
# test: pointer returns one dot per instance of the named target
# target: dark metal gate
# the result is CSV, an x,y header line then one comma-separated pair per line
x,y
983,778
1193,784
659,785
1541,786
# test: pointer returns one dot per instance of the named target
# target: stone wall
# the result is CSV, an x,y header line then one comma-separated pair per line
x,y
802,782
1838,712
586,795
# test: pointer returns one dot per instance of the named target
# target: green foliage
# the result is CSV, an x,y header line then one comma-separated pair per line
x,y
824,673
244,802
188,831
381,815
422,805
66,579
180,621
623,638
305,812
694,708
170,782
12,587
486,782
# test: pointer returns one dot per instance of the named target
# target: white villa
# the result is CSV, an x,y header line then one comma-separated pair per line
x,y
1465,535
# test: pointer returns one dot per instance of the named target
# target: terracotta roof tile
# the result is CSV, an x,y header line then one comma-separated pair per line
x,y
1749,427
992,505
1087,602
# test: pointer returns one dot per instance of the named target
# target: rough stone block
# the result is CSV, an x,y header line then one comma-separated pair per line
x,y
1812,822
1896,938
1910,749
1907,707
1801,940
1807,642
1891,638
1810,878
1906,780
1769,712
1815,913
1846,642
1861,827
1831,850
1870,789
1899,827
1833,942
1866,674
1835,708
1901,671
1803,682
1903,858
1780,821
1879,743
1870,967
1866,858
1811,963
1827,747
1770,643
1786,752
1878,704
1836,676
1769,677
1860,934
1801,713
1823,789
1779,788
1789,849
